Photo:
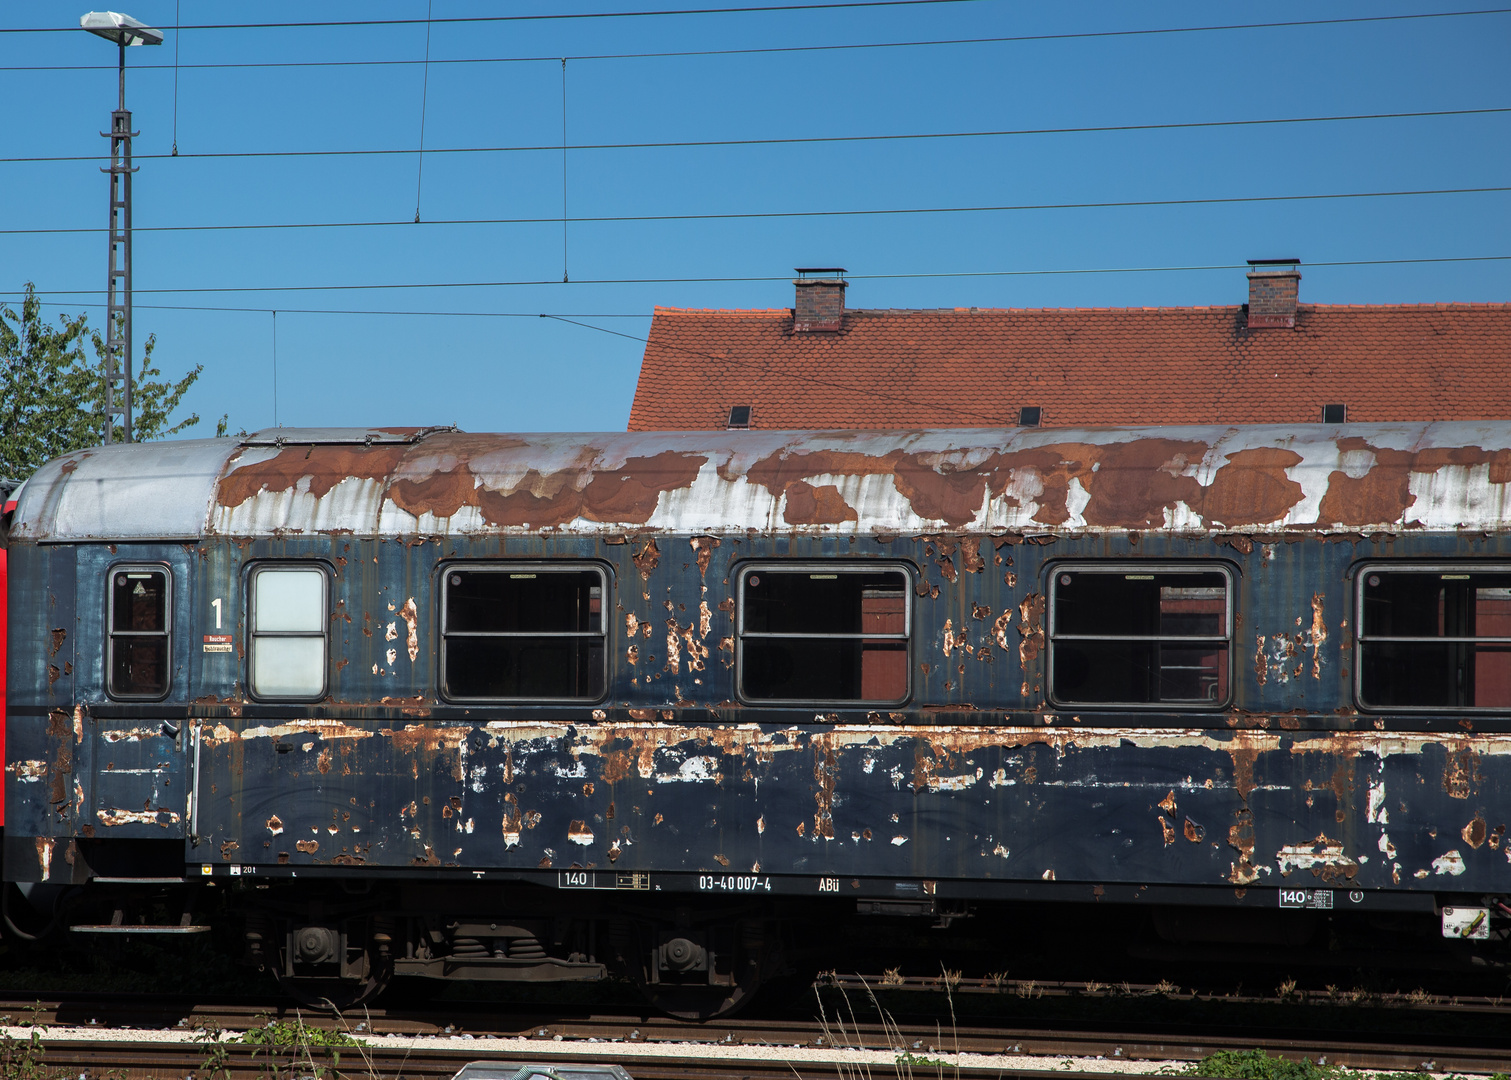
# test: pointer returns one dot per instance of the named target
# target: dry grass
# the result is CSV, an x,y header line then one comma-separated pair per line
x,y
841,1033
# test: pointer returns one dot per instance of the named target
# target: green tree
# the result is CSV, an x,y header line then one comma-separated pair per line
x,y
52,396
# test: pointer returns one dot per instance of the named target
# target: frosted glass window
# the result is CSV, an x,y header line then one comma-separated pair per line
x,y
289,667
289,610
289,601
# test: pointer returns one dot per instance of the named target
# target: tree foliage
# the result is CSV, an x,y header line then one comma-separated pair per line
x,y
52,396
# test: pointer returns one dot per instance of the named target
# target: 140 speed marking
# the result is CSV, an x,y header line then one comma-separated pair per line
x,y
733,883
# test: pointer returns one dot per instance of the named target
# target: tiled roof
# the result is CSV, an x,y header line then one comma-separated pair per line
x,y
972,367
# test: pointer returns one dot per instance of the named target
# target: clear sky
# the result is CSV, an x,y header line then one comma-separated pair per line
x,y
439,322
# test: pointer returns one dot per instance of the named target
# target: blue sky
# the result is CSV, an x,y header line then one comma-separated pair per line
x,y
476,352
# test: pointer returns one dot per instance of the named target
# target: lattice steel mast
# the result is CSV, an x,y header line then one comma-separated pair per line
x,y
123,30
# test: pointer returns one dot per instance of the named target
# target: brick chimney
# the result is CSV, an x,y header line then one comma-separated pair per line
x,y
1273,287
820,299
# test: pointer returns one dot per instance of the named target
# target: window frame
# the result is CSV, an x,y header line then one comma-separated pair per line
x,y
1361,573
605,574
111,633
909,579
1051,638
250,599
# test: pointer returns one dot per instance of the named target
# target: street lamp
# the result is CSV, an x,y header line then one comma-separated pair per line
x,y
123,30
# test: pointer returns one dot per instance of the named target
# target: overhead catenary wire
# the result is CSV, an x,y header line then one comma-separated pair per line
x,y
752,278
424,99
766,215
757,50
175,79
792,140
562,16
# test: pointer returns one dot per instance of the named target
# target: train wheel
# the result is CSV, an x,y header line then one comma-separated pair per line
x,y
335,995
328,966
703,973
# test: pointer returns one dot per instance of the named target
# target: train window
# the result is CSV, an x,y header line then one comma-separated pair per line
x,y
824,632
139,632
1432,637
531,632
1131,635
288,632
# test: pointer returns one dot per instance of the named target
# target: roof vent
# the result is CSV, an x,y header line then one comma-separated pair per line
x,y
1030,416
820,299
1335,414
1273,288
739,417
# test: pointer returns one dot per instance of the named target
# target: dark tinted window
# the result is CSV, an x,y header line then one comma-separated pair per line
x,y
1433,638
1139,637
529,632
824,635
138,639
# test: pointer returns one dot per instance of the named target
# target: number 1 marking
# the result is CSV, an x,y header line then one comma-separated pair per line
x,y
216,605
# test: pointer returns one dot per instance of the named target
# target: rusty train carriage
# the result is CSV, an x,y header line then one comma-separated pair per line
x,y
381,678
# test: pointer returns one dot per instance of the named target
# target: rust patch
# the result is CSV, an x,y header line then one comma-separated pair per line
x,y
703,551
1318,635
308,847
1168,803
809,505
411,617
59,635
227,849
1252,488
1000,627
579,833
825,773
323,761
721,860
970,556
1031,634
1167,830
1474,833
1244,757
1241,839
616,765
275,825
1342,784
322,466
646,558
425,737
1461,773
1194,832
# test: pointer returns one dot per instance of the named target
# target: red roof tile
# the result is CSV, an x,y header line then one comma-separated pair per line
x,y
960,367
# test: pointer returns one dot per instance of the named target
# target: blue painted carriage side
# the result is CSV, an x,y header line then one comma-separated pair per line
x,y
41,751
671,773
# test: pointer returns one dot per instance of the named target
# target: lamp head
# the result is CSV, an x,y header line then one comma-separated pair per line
x,y
121,29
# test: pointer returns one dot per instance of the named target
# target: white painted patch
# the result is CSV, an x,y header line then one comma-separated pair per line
x,y
1450,863
898,841
694,770
1316,853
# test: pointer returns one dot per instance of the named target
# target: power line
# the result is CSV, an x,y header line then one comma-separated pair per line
x,y
766,215
230,309
754,51
795,140
564,16
734,280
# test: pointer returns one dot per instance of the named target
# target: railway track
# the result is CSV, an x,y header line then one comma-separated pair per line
x,y
142,1038
408,1059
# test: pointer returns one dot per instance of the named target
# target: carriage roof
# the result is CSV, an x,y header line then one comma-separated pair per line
x,y
407,482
